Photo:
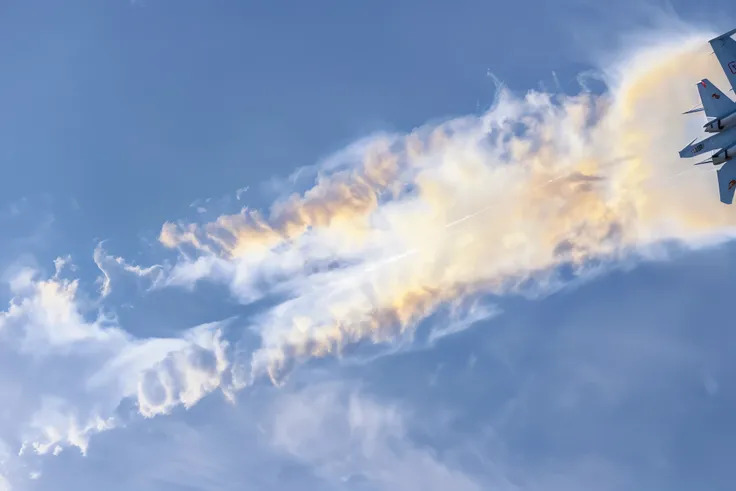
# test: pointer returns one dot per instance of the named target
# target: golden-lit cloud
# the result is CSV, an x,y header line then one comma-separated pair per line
x,y
488,204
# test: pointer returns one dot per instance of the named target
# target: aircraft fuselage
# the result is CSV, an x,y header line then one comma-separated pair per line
x,y
719,124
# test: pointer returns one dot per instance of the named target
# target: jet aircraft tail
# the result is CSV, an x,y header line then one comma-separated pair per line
x,y
715,103
724,47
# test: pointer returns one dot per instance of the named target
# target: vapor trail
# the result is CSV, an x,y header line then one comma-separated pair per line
x,y
397,216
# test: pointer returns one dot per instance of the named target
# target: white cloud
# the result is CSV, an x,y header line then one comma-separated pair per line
x,y
55,425
107,264
349,438
594,396
240,192
5,454
66,367
44,316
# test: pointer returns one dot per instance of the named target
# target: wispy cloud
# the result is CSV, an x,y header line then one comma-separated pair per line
x,y
107,264
351,439
68,365
240,192
527,416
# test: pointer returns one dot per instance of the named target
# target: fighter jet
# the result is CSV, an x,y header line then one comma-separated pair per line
x,y
721,112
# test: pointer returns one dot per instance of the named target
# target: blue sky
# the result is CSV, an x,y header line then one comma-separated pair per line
x,y
437,282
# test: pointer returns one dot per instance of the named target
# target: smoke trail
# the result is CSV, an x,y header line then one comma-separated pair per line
x,y
490,204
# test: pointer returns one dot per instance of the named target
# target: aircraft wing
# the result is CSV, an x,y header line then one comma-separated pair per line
x,y
724,139
727,181
724,47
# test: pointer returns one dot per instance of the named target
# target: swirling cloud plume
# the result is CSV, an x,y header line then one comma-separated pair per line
x,y
500,203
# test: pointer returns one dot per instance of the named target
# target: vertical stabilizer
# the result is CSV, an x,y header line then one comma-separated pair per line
x,y
715,103
725,49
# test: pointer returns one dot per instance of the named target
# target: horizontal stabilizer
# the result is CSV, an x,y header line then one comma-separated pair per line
x,y
724,139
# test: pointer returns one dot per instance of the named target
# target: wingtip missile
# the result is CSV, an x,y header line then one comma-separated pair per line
x,y
696,110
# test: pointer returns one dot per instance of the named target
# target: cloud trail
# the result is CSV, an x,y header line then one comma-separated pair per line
x,y
490,204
